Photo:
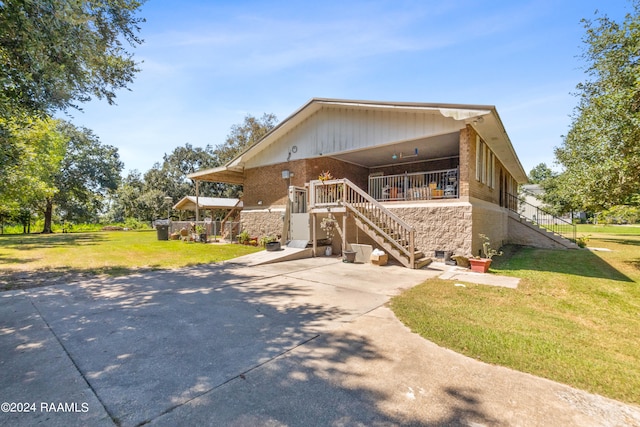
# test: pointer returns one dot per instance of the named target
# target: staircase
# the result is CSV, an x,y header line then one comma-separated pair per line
x,y
559,232
394,235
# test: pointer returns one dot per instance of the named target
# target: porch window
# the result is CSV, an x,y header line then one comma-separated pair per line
x,y
485,163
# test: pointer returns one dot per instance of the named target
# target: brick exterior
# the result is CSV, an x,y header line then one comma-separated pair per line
x,y
447,225
357,174
476,189
267,185
491,220
440,226
522,234
466,135
262,222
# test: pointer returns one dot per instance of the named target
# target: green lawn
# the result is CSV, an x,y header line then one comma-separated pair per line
x,y
575,318
113,253
609,229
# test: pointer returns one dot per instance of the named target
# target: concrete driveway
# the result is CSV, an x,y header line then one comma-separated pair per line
x,y
301,343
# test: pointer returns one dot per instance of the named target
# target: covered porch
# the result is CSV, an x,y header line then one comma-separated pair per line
x,y
417,169
440,184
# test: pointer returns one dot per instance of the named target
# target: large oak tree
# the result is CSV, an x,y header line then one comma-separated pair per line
x,y
58,53
601,152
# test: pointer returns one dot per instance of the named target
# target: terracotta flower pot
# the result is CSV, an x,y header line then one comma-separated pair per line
x,y
480,265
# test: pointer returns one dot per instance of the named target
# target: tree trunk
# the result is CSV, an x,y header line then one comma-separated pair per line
x,y
48,213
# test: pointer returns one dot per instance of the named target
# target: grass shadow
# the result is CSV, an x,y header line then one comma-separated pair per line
x,y
12,260
573,262
630,242
46,241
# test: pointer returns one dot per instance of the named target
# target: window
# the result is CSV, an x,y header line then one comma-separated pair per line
x,y
485,163
479,161
490,170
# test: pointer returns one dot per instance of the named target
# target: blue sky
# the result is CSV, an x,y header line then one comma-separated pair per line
x,y
207,64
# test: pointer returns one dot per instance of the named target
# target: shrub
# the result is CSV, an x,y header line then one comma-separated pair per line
x,y
244,237
582,241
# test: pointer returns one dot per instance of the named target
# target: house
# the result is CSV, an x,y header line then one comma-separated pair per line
x,y
533,206
416,179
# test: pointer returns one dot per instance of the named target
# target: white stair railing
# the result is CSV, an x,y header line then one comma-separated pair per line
x,y
385,223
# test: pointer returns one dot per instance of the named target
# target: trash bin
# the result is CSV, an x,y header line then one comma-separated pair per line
x,y
162,229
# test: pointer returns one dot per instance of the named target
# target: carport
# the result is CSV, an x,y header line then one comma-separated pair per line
x,y
229,206
211,204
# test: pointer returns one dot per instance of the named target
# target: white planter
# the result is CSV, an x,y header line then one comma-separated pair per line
x,y
328,251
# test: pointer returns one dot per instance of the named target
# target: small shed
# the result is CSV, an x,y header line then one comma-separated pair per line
x,y
193,203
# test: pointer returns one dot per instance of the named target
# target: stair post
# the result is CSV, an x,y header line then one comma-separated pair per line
x,y
412,248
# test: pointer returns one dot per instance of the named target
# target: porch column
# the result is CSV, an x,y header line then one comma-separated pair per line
x,y
313,233
344,231
197,202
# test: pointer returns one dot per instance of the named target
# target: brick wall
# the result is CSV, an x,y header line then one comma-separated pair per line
x,y
466,172
491,220
263,222
522,234
447,227
357,174
477,189
266,183
442,227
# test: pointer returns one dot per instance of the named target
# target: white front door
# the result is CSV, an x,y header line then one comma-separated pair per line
x,y
299,218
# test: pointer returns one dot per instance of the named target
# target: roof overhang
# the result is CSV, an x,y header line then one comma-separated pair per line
x,y
483,118
493,133
188,203
459,112
226,174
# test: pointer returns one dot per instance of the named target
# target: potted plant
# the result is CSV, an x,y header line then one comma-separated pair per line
x,y
202,233
348,256
270,243
243,238
481,265
329,225
325,176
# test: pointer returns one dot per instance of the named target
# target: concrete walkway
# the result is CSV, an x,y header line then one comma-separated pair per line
x,y
306,342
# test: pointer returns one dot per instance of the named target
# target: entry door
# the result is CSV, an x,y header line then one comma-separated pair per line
x,y
299,219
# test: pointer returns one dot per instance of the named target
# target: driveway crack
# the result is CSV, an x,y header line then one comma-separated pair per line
x,y
241,375
75,365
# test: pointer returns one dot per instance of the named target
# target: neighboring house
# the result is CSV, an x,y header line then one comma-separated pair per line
x,y
532,196
416,179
